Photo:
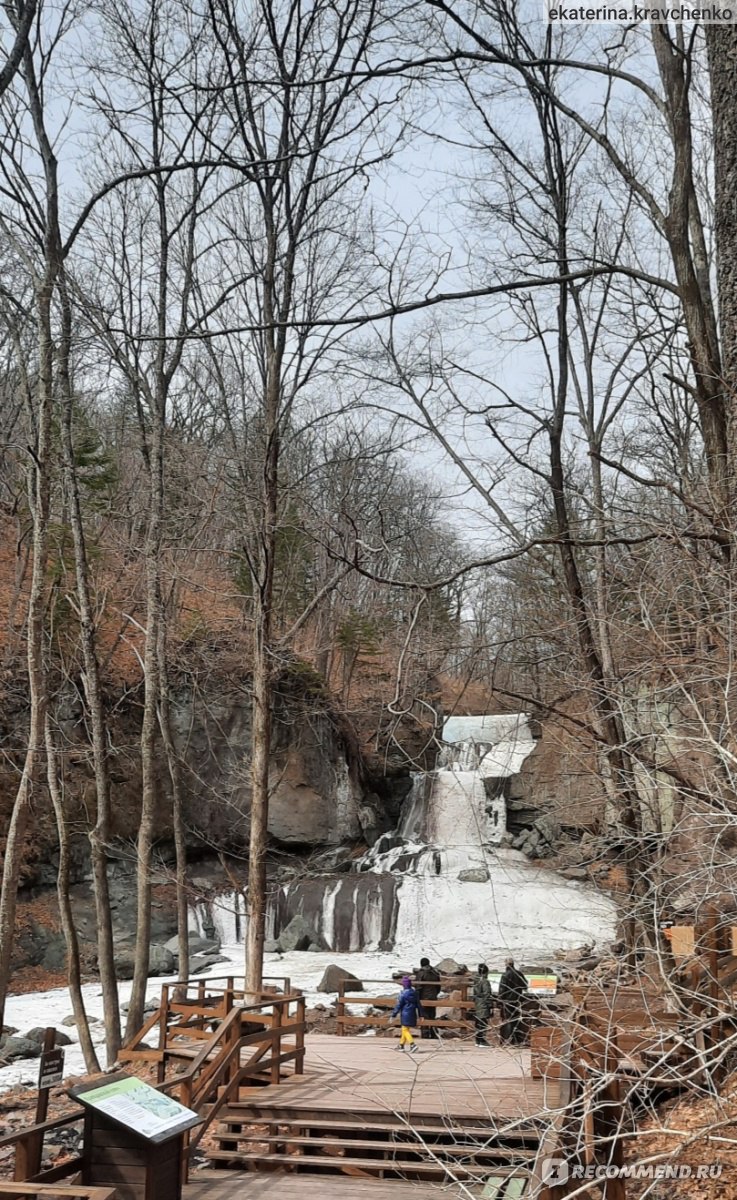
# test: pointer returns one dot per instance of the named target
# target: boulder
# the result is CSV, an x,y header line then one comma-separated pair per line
x,y
574,873
299,935
271,946
448,966
8,1030
160,961
38,1033
548,828
197,945
19,1047
474,875
124,962
334,975
72,1020
202,962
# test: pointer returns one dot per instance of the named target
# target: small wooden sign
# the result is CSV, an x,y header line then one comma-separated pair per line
x,y
51,1068
537,985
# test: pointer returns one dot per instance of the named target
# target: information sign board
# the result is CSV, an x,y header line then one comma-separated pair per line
x,y
537,985
137,1106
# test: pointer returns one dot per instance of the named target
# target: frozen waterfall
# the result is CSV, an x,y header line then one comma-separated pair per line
x,y
442,884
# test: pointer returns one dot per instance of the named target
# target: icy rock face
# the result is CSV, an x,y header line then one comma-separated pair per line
x,y
441,884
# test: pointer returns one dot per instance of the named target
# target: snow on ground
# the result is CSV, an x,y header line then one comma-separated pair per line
x,y
50,1008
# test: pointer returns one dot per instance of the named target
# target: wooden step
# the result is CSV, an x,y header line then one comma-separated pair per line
x,y
206,1183
375,1166
525,1132
461,1149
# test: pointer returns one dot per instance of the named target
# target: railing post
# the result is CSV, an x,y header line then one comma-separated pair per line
x,y
276,1040
340,1007
22,1168
299,1059
163,1030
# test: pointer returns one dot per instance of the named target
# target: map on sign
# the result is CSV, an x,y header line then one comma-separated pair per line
x,y
138,1107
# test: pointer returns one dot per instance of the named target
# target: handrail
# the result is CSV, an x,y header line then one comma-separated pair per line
x,y
74,1191
447,983
9,1139
229,981
233,1018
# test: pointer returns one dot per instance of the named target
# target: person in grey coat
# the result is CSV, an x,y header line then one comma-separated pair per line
x,y
483,1004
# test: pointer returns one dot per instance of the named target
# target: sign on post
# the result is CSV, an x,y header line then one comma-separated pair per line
x,y
51,1068
139,1107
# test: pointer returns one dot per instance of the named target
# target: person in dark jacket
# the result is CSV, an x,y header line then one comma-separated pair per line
x,y
483,1004
512,991
427,980
407,1008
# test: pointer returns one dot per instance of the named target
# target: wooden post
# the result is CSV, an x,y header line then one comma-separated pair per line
x,y
340,1007
299,1060
33,1149
275,1041
713,934
610,1121
163,1029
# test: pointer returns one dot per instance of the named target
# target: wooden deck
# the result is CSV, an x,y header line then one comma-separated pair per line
x,y
346,1129
231,1185
449,1080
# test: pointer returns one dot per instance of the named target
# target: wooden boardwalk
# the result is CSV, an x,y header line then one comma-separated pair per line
x,y
342,1130
452,1080
234,1185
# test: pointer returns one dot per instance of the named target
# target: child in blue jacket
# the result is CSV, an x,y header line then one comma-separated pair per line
x,y
408,1009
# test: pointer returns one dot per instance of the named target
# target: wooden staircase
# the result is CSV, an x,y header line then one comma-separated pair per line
x,y
258,1136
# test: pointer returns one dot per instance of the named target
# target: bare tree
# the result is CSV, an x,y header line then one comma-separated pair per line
x,y
20,19
312,135
44,267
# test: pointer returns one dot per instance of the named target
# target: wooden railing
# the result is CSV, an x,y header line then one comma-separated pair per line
x,y
215,1061
51,1191
588,1128
385,1001
29,1150
190,1009
219,1060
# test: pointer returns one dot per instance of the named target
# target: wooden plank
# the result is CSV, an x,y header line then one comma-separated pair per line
x,y
52,1191
235,1185
682,941
546,1045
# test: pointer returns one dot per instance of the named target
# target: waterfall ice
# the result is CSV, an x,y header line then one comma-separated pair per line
x,y
442,884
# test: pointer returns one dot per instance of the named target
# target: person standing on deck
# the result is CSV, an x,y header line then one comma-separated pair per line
x,y
483,1004
407,1008
512,990
427,980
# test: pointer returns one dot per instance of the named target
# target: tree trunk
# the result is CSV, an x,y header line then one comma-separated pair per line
x,y
149,790
263,690
99,835
68,926
721,43
39,503
177,804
